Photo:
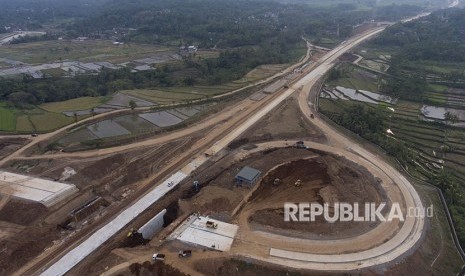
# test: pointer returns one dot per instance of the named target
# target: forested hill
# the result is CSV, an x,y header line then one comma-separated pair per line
x,y
227,23
439,37
31,14
223,23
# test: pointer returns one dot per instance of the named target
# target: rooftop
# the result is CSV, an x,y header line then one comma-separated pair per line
x,y
35,189
195,231
248,174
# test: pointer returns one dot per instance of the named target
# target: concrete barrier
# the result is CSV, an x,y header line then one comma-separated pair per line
x,y
153,226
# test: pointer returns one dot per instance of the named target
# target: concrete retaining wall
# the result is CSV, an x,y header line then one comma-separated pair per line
x,y
154,225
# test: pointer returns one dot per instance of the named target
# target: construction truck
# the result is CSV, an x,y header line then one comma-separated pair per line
x,y
211,224
132,232
184,253
300,145
276,181
158,257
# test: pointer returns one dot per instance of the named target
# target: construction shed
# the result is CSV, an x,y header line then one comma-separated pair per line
x,y
248,176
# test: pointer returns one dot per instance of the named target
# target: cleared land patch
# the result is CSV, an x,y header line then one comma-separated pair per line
x,y
74,104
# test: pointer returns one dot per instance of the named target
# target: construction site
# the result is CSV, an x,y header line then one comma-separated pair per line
x,y
207,199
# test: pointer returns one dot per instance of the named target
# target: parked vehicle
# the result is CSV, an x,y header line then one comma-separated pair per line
x,y
185,253
158,257
212,224
276,181
300,145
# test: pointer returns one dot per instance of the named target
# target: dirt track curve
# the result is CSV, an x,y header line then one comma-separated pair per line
x,y
396,185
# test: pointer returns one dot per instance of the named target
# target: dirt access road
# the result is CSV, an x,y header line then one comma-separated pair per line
x,y
222,124
377,246
213,120
307,81
404,239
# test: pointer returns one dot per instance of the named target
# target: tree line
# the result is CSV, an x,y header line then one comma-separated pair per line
x,y
439,36
230,65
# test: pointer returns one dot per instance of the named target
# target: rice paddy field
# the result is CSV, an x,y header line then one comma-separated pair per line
x,y
420,126
91,50
7,118
187,93
357,78
166,96
423,137
74,104
51,116
30,120
130,125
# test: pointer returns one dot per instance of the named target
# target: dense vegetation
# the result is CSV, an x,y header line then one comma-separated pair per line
x,y
438,38
250,33
230,65
370,124
220,23
32,14
438,41
254,33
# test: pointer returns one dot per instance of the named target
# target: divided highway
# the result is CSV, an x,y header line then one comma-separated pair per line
x,y
402,242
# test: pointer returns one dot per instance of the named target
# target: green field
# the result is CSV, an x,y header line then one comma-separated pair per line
x,y
24,124
185,93
74,104
357,79
54,72
47,121
92,50
261,72
31,120
437,67
163,97
422,137
7,118
182,93
48,116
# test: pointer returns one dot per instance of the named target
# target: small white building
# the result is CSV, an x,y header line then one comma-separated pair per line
x,y
192,49
196,230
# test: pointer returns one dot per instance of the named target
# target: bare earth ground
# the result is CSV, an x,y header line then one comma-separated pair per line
x,y
435,255
324,179
25,165
113,177
285,122
219,196
11,144
217,178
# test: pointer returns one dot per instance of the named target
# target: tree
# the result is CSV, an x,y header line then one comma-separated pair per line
x,y
449,119
189,81
132,104
445,181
